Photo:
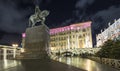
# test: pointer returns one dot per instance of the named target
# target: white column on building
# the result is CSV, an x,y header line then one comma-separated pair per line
x,y
4,53
68,42
58,42
14,53
77,41
87,45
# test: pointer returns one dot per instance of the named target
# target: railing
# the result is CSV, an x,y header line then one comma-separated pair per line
x,y
111,62
78,50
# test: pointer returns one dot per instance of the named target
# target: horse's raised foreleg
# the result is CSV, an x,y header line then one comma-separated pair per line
x,y
33,23
43,21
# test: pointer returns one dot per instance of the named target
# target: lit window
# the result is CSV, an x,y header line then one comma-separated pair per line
x,y
84,30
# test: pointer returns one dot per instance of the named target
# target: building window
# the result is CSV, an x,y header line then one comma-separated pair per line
x,y
73,36
70,36
84,30
83,34
80,36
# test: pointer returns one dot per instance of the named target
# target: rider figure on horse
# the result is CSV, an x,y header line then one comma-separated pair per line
x,y
39,16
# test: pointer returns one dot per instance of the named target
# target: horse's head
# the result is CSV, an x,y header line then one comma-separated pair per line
x,y
44,13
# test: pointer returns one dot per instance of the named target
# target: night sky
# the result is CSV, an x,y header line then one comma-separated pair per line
x,y
14,15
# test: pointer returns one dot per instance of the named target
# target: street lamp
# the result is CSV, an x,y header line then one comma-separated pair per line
x,y
15,45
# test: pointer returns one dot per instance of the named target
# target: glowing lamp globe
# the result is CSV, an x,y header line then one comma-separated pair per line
x,y
23,35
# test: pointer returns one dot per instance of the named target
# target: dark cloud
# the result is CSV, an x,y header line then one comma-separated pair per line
x,y
80,12
42,2
83,3
111,13
11,19
13,22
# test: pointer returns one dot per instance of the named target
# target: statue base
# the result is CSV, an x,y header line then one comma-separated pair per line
x,y
36,43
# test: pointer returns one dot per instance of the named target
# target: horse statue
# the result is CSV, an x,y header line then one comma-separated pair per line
x,y
39,16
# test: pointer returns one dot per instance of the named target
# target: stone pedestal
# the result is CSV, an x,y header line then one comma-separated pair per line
x,y
36,43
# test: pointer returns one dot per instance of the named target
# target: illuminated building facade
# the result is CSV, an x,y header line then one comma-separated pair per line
x,y
112,32
9,52
71,37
